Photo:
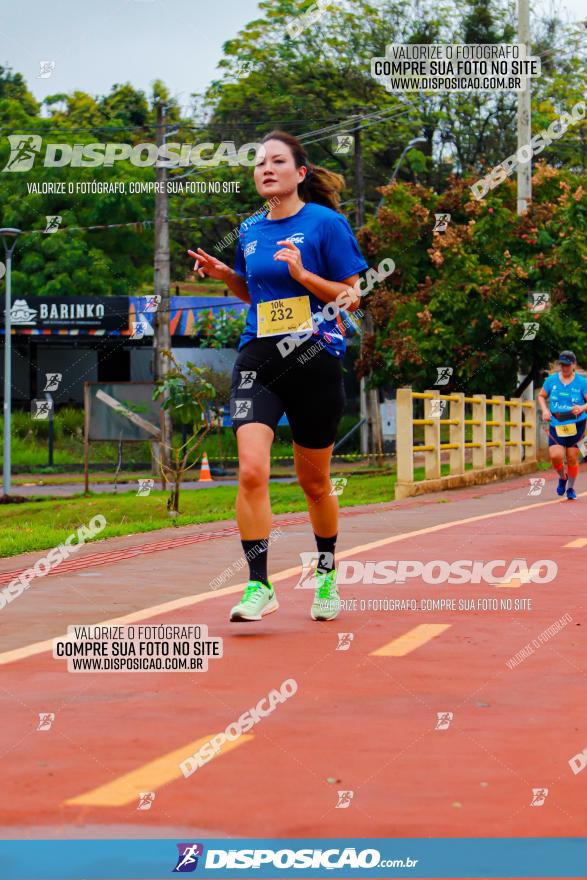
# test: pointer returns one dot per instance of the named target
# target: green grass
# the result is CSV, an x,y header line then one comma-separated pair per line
x,y
48,478
29,444
44,523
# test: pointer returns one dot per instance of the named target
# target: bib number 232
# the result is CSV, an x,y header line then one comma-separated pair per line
x,y
292,315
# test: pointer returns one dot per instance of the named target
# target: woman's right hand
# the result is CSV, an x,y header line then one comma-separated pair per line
x,y
546,415
207,265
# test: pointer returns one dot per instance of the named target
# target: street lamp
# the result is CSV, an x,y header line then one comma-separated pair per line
x,y
8,237
419,140
369,400
404,151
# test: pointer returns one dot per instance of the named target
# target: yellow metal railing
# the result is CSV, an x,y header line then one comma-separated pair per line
x,y
459,412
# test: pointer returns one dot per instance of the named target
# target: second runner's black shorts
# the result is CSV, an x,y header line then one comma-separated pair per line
x,y
567,442
306,385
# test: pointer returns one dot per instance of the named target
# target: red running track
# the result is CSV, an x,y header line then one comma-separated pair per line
x,y
358,722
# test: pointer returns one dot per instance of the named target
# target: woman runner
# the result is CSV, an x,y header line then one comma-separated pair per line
x,y
290,264
566,411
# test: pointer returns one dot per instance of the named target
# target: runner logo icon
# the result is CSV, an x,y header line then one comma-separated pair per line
x,y
247,378
241,409
344,641
23,151
187,860
444,374
539,795
52,381
530,330
537,484
441,222
146,799
444,719
344,799
46,719
309,562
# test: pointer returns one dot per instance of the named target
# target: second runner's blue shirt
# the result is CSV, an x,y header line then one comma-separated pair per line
x,y
562,398
328,249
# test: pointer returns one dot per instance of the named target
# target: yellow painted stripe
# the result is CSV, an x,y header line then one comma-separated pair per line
x,y
150,777
410,640
509,585
578,543
186,601
515,583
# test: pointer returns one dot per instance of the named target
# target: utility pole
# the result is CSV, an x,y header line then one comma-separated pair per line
x,y
162,337
524,172
371,432
359,179
524,113
8,236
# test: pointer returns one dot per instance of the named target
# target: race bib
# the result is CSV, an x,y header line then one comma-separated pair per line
x,y
565,430
292,315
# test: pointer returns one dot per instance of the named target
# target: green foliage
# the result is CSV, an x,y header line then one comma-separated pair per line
x,y
23,426
71,421
460,298
221,383
328,61
13,88
220,328
185,391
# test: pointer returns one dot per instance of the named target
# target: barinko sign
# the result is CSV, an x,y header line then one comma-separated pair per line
x,y
62,312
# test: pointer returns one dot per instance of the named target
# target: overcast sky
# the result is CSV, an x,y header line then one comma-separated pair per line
x,y
96,45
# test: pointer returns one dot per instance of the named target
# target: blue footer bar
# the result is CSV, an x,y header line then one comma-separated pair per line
x,y
271,858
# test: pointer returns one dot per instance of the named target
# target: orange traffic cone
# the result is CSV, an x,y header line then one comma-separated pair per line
x,y
205,475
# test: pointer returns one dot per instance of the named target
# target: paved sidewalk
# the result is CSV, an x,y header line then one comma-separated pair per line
x,y
68,489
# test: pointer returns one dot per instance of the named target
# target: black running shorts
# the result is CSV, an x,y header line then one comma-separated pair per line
x,y
306,385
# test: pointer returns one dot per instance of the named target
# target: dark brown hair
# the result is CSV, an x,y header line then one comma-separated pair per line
x,y
319,185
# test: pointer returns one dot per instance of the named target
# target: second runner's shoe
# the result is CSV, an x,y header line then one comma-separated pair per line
x,y
571,494
257,601
562,485
326,604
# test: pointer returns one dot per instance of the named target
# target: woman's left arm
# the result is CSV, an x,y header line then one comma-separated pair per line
x,y
325,290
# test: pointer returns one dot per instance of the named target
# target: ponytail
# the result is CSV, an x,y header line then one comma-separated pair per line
x,y
322,186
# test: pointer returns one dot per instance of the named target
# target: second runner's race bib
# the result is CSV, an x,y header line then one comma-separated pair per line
x,y
292,315
565,430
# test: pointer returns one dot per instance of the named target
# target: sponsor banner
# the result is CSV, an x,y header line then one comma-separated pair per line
x,y
132,316
52,314
267,858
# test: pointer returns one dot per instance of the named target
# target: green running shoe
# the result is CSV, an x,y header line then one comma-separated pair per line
x,y
326,604
257,601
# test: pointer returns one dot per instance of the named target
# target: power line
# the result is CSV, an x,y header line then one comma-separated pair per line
x,y
141,225
193,124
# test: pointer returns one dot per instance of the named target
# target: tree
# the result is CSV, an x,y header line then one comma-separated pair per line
x,y
186,393
461,299
13,88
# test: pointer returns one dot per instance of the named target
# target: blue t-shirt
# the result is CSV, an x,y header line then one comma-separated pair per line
x,y
328,248
562,398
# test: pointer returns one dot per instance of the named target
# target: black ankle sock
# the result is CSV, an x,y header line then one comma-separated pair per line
x,y
326,550
256,556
